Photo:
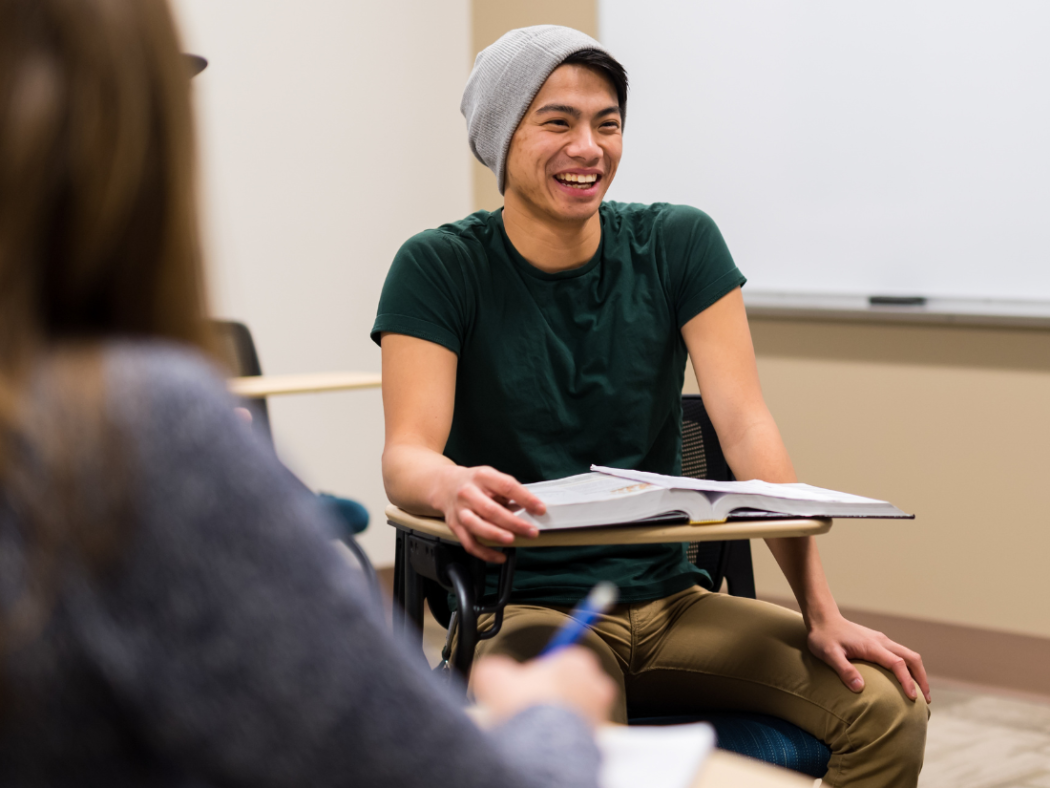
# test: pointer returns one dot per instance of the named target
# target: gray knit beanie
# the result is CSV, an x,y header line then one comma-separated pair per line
x,y
506,78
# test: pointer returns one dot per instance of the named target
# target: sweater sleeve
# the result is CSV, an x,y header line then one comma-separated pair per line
x,y
244,647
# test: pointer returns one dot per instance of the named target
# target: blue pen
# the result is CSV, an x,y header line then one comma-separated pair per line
x,y
601,598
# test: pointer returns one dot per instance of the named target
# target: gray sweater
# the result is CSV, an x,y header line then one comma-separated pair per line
x,y
233,645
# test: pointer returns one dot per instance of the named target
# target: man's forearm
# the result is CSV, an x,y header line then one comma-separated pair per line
x,y
799,560
478,503
759,453
413,475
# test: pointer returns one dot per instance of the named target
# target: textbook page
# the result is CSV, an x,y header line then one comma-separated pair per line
x,y
668,756
796,492
588,488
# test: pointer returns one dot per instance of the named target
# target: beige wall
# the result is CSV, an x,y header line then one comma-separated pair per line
x,y
330,133
950,423
493,18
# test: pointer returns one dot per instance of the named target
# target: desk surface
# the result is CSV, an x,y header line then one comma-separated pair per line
x,y
260,386
726,770
630,534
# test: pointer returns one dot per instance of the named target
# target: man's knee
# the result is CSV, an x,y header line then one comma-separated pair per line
x,y
889,717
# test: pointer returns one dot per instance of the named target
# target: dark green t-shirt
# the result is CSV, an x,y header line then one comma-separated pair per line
x,y
559,371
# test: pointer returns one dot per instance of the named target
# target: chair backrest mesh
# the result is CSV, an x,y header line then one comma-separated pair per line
x,y
702,458
694,464
694,459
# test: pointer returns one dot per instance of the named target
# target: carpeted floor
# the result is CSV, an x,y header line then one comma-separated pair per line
x,y
981,739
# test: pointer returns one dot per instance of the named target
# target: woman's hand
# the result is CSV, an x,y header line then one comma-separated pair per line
x,y
838,640
479,503
572,678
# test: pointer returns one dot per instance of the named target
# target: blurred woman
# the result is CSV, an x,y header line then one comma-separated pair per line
x,y
170,612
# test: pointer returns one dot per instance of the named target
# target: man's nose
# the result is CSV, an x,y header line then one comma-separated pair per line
x,y
584,144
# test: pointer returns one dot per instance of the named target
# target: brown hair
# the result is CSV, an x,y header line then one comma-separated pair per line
x,y
98,239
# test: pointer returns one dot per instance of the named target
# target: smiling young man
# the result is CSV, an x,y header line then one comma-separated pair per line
x,y
527,343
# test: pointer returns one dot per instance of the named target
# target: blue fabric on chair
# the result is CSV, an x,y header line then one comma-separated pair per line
x,y
768,739
351,515
352,518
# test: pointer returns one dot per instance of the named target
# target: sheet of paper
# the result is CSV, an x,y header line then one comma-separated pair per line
x,y
667,756
798,492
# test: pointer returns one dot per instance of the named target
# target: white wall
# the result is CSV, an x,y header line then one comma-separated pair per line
x,y
330,133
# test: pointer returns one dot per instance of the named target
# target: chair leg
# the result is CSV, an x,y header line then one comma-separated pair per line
x,y
367,569
413,599
399,583
408,596
463,587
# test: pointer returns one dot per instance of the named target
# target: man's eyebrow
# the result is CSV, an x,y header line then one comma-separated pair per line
x,y
563,108
574,112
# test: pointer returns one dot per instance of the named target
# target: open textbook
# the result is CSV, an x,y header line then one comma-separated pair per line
x,y
611,496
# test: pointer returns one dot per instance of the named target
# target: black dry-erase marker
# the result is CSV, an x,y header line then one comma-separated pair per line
x,y
885,300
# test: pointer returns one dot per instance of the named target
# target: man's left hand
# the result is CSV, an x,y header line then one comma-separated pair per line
x,y
838,640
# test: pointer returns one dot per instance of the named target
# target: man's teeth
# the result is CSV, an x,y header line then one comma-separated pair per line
x,y
571,178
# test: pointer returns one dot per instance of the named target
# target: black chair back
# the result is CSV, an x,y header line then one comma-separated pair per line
x,y
238,351
702,458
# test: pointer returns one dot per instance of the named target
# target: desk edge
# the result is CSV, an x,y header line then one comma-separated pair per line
x,y
627,534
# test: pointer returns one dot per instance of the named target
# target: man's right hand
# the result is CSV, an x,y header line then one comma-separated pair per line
x,y
480,503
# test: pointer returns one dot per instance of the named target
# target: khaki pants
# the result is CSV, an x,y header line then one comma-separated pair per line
x,y
698,650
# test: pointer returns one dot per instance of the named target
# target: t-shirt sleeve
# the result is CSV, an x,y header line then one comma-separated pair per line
x,y
425,294
700,265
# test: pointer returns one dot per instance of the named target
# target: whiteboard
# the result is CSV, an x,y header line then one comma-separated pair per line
x,y
899,147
